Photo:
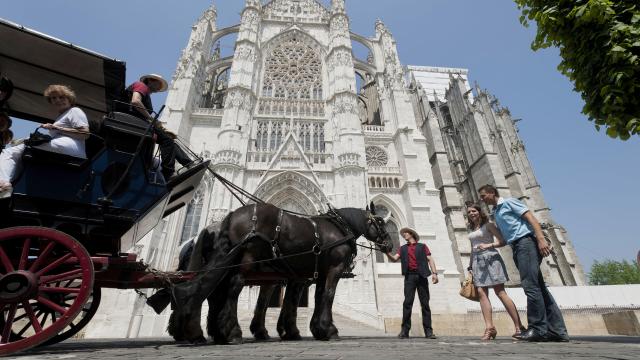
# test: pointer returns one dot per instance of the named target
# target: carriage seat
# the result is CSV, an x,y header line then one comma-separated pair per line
x,y
124,131
125,123
35,155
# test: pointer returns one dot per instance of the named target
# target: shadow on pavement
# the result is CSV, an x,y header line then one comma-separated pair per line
x,y
608,339
84,345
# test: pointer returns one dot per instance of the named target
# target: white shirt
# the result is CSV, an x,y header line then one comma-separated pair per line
x,y
73,118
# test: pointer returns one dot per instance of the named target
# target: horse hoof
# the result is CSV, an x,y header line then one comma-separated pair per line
x,y
200,340
234,341
291,337
262,336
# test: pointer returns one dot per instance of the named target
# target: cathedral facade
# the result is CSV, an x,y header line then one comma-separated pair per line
x,y
298,120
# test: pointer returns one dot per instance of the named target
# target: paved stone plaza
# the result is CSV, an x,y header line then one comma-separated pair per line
x,y
351,348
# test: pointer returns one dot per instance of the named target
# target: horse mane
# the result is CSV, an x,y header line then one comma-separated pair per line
x,y
354,217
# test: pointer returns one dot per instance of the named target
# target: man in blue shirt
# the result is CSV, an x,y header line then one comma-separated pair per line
x,y
523,232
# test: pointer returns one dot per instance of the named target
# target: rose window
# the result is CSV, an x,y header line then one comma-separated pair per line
x,y
293,71
376,156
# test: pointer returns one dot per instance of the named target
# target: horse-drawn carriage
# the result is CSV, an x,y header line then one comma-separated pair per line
x,y
65,231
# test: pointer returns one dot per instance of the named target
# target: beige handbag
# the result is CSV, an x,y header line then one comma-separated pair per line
x,y
468,290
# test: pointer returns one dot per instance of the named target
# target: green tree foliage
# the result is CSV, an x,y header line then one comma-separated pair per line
x,y
611,272
599,42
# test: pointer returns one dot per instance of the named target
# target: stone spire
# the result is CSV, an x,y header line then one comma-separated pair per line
x,y
337,7
393,71
240,97
198,46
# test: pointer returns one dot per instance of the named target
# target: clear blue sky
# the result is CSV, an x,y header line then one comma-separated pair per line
x,y
589,181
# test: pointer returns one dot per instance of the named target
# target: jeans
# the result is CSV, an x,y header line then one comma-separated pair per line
x,y
413,281
543,314
169,152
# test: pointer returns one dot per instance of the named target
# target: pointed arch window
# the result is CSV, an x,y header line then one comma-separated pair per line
x,y
392,229
262,136
318,137
191,225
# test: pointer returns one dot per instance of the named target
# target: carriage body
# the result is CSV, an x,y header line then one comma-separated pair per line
x,y
66,230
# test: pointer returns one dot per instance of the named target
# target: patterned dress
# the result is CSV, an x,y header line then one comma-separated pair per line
x,y
487,265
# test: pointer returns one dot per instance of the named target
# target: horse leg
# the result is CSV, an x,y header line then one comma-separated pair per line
x,y
325,329
287,327
228,325
216,302
257,326
184,322
315,318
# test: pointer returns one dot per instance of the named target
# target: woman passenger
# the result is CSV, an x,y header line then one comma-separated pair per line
x,y
489,270
68,134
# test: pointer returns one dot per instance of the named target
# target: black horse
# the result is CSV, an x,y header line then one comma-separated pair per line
x,y
196,254
262,238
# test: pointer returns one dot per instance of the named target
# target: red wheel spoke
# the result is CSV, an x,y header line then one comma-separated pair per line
x,y
73,274
25,254
8,324
44,318
8,266
51,305
54,264
42,257
34,319
62,276
59,290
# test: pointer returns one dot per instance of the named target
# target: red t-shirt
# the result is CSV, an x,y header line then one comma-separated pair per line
x,y
411,254
141,88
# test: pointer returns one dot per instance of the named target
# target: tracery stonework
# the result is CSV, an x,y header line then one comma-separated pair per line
x,y
293,71
299,9
376,156
286,120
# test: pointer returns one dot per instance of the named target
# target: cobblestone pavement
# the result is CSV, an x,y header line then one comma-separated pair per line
x,y
348,348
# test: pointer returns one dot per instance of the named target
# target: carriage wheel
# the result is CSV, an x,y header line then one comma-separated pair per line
x,y
46,277
86,314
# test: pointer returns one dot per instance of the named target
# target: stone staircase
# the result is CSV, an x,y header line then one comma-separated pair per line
x,y
345,325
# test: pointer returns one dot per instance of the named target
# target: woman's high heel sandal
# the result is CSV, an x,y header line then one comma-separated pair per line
x,y
489,334
516,335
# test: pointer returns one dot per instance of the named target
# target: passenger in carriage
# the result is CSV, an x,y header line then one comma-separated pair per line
x,y
5,126
139,96
67,133
6,89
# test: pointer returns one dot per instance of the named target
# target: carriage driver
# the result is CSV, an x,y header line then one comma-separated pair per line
x,y
138,94
417,265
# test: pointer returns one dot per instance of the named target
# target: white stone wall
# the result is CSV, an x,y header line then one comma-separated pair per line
x,y
226,137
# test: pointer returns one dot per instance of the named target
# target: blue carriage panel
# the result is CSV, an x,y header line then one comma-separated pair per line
x,y
140,188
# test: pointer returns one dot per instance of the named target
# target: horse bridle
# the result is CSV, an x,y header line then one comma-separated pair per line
x,y
372,220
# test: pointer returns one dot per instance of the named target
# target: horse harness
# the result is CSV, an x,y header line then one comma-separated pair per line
x,y
317,247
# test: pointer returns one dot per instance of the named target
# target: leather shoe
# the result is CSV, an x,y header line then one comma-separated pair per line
x,y
532,336
557,338
403,335
430,335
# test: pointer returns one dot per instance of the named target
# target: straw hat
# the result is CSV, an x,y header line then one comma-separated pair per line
x,y
164,85
410,231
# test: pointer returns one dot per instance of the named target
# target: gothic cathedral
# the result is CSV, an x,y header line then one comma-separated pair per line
x,y
298,120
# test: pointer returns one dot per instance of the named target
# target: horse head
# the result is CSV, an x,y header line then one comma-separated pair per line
x,y
377,231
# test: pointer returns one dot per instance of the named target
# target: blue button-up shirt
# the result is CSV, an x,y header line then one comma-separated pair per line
x,y
508,215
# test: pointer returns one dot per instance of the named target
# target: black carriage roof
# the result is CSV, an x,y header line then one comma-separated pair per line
x,y
33,60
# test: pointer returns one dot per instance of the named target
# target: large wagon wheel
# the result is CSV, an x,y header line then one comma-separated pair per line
x,y
86,314
46,277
